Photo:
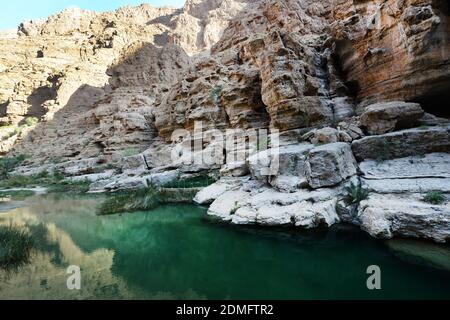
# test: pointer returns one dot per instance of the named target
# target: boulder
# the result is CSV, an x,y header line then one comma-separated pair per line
x,y
385,117
325,135
226,205
212,192
235,169
422,253
330,164
415,185
289,168
388,216
416,174
266,206
405,143
434,165
283,168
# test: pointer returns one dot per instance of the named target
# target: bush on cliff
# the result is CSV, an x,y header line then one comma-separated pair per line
x,y
7,165
435,197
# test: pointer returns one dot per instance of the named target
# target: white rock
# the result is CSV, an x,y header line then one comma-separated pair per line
x,y
274,216
94,177
288,183
434,165
160,179
421,185
311,215
235,169
387,216
245,216
212,192
330,164
284,161
306,209
225,206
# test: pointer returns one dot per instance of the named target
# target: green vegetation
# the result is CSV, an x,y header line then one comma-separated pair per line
x,y
151,197
16,130
31,121
7,165
215,92
18,195
435,197
263,143
355,194
130,152
384,151
55,182
130,201
15,247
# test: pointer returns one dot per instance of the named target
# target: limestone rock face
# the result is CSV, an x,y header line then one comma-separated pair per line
x,y
386,216
385,117
330,164
393,50
403,143
98,96
93,79
264,206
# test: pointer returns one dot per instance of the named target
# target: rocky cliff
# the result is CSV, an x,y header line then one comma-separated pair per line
x,y
353,91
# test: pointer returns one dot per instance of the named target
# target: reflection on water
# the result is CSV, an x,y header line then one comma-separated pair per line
x,y
175,253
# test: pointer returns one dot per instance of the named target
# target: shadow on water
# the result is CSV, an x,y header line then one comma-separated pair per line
x,y
174,252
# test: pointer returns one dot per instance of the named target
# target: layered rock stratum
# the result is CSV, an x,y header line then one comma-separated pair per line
x,y
356,91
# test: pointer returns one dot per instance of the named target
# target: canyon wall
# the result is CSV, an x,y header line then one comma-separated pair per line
x,y
357,90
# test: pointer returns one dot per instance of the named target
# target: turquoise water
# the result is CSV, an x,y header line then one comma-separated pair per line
x,y
175,252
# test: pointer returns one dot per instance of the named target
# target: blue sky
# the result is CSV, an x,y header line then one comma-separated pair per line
x,y
14,12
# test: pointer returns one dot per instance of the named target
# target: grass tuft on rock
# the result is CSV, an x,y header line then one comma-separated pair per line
x,y
355,194
15,248
131,201
435,197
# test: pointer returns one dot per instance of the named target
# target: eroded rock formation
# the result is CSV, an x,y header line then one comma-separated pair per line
x,y
355,92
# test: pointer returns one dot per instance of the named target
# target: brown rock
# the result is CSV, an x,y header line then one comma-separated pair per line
x,y
385,117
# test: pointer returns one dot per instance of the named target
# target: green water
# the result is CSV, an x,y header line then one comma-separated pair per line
x,y
175,252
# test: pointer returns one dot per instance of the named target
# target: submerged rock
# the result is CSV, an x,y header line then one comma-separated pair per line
x,y
421,253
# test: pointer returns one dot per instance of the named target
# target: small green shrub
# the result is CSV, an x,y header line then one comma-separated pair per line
x,y
55,183
31,121
7,165
15,247
215,92
130,152
68,186
384,152
435,197
16,195
57,175
131,201
355,194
